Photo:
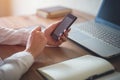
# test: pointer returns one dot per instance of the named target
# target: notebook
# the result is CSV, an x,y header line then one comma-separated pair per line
x,y
87,67
102,35
114,76
54,12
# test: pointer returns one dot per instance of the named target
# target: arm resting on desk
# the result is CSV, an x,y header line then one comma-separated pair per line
x,y
15,66
13,37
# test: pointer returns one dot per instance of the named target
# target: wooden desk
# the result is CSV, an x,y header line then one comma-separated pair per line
x,y
50,55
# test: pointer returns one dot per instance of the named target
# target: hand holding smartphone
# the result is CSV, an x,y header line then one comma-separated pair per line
x,y
63,26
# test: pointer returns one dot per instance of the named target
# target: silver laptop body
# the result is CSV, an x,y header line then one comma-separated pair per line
x,y
102,35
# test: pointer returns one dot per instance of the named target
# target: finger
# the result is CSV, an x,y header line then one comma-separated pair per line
x,y
69,30
51,28
66,32
55,24
63,38
59,42
38,28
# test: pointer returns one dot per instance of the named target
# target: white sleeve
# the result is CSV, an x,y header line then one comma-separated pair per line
x,y
13,37
15,66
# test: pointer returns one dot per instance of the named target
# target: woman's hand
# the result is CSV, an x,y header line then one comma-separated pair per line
x,y
50,40
36,42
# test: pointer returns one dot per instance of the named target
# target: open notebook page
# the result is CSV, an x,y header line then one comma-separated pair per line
x,y
113,76
76,69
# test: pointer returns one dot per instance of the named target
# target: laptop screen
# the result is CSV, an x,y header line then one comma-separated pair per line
x,y
109,12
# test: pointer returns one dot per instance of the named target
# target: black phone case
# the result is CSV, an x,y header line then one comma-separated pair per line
x,y
57,36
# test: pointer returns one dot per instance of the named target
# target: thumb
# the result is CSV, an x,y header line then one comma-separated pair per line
x,y
56,23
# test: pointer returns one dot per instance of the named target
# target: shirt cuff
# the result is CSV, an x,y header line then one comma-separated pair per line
x,y
23,57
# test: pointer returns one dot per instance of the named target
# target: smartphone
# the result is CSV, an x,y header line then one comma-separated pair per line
x,y
63,26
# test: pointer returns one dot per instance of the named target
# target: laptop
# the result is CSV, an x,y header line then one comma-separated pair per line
x,y
101,35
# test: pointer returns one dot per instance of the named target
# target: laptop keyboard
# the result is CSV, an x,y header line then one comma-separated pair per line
x,y
101,32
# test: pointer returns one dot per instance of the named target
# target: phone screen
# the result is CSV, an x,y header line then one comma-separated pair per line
x,y
63,26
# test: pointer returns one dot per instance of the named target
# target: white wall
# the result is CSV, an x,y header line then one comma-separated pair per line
x,y
23,7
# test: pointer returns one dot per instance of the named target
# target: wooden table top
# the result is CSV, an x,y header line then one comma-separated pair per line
x,y
50,55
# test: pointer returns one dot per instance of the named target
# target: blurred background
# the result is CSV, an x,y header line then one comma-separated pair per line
x,y
28,7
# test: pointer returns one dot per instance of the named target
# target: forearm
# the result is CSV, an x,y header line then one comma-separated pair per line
x,y
13,37
15,66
